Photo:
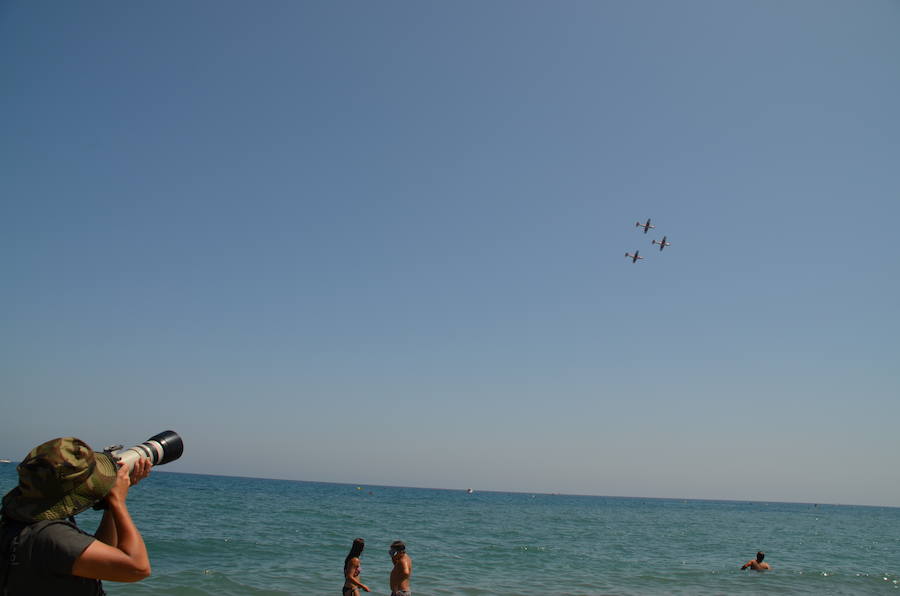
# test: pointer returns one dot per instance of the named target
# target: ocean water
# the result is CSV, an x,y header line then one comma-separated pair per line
x,y
219,536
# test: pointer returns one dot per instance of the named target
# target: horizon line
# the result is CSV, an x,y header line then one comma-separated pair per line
x,y
557,494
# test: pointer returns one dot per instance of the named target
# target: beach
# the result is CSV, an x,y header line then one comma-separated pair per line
x,y
218,535
617,249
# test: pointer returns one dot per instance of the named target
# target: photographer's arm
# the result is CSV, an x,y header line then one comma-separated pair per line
x,y
119,553
106,531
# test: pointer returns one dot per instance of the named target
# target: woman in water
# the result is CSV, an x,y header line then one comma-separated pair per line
x,y
352,569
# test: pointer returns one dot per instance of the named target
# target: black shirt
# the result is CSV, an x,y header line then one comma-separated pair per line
x,y
43,559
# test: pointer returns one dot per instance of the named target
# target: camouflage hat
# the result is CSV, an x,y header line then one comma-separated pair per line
x,y
58,479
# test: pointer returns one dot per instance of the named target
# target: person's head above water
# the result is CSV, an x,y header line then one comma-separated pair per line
x,y
397,547
356,549
358,545
760,556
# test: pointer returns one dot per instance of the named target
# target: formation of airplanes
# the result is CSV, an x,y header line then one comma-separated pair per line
x,y
646,226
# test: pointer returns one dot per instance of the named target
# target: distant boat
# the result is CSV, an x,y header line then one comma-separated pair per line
x,y
469,491
5,461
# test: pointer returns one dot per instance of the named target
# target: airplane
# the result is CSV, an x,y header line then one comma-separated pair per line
x,y
662,243
634,257
646,226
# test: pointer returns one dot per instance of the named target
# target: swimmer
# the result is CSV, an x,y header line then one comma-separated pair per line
x,y
402,569
757,563
352,569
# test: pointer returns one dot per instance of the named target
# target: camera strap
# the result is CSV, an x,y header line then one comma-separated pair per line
x,y
9,543
12,533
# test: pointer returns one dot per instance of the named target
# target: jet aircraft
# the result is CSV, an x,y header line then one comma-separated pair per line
x,y
662,243
634,257
646,226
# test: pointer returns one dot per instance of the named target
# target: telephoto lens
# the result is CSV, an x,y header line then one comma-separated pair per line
x,y
159,449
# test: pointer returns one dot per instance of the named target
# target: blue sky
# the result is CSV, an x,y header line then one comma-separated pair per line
x,y
383,243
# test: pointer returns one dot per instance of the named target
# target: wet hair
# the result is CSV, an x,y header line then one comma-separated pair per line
x,y
355,550
760,556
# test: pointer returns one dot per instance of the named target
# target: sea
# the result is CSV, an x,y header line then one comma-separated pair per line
x,y
220,536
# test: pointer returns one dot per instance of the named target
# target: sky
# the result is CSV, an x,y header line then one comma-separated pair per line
x,y
383,243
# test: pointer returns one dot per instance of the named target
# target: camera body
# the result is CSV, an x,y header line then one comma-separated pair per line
x,y
159,449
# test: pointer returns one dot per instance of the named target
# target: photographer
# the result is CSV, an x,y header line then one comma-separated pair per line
x,y
42,550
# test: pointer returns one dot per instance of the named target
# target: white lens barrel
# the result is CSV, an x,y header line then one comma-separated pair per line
x,y
160,449
150,450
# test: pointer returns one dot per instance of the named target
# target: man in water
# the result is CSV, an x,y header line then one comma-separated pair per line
x,y
402,569
757,563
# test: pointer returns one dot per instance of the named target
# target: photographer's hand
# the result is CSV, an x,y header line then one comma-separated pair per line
x,y
140,470
119,554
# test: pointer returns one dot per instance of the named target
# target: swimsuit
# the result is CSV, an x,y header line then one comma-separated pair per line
x,y
351,590
401,593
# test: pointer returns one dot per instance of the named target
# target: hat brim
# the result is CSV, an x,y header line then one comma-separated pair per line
x,y
95,488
